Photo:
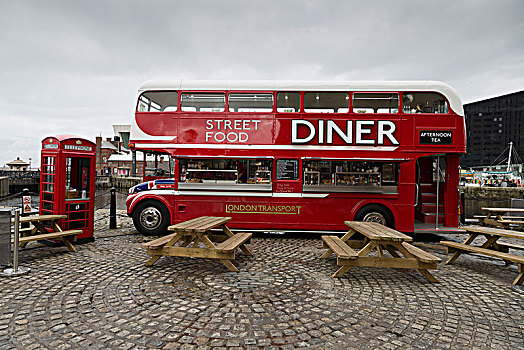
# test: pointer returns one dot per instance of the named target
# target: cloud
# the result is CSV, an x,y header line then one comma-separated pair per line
x,y
74,67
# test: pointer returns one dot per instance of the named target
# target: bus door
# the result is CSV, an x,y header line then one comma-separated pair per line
x,y
430,186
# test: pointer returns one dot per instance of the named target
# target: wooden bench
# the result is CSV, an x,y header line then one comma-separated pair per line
x,y
158,243
507,223
504,247
503,217
484,251
338,247
51,235
383,240
489,248
233,243
421,254
194,239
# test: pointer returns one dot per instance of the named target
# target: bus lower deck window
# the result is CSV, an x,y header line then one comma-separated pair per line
x,y
351,175
225,171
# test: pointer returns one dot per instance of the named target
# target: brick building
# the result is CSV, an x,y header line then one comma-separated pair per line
x,y
104,149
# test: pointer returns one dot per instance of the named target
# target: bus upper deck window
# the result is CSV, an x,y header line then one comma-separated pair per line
x,y
288,102
250,102
424,102
375,103
203,102
157,101
326,102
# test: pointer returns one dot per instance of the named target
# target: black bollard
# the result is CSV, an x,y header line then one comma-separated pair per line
x,y
112,210
463,204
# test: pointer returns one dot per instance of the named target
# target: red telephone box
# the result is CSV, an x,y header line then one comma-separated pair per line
x,y
67,182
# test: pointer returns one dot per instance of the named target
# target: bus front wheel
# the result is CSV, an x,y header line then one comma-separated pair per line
x,y
151,218
375,213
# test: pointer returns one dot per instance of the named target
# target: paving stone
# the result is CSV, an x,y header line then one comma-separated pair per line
x,y
103,296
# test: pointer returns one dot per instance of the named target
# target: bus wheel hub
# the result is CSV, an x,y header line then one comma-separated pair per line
x,y
150,218
375,217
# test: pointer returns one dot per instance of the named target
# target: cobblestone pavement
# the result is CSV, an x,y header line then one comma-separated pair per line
x,y
104,297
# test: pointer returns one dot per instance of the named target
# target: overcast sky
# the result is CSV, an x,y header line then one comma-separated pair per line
x,y
73,67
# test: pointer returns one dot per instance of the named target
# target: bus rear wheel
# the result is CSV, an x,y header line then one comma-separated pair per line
x,y
151,218
375,213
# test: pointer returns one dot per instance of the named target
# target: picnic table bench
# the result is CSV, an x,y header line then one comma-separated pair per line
x,y
44,227
491,247
497,217
193,232
381,239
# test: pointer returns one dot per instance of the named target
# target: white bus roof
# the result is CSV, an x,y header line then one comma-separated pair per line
x,y
302,85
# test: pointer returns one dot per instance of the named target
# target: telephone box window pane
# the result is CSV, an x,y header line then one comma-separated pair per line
x,y
326,102
375,103
203,102
288,102
424,102
157,101
47,197
77,177
48,206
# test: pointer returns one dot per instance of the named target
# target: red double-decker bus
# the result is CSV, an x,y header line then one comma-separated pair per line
x,y
299,155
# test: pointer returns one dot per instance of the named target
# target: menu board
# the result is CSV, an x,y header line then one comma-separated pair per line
x,y
287,169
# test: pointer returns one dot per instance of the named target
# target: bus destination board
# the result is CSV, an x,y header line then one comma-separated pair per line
x,y
436,137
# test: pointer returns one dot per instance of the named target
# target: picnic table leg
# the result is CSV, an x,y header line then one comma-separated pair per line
x,y
379,250
520,277
326,254
490,241
367,248
392,251
68,244
457,253
424,272
154,258
226,262
229,233
348,235
340,272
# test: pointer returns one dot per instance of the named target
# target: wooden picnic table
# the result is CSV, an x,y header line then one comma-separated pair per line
x,y
491,247
196,241
381,239
500,220
45,227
